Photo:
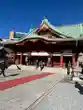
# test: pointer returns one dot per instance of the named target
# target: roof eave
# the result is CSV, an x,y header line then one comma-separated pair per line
x,y
42,38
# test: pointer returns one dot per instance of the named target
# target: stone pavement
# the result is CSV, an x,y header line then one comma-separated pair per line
x,y
12,72
20,97
63,97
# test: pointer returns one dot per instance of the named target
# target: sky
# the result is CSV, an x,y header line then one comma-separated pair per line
x,y
23,14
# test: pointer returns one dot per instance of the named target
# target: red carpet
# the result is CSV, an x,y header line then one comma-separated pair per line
x,y
15,82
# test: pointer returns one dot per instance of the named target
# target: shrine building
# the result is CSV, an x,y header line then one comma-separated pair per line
x,y
61,42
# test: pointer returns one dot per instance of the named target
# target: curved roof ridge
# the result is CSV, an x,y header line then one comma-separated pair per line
x,y
28,34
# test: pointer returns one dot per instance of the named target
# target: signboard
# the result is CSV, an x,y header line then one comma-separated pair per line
x,y
39,54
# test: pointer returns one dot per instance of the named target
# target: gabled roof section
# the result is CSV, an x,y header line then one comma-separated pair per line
x,y
46,23
75,31
30,34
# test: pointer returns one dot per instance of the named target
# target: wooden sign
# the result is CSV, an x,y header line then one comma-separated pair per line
x,y
20,44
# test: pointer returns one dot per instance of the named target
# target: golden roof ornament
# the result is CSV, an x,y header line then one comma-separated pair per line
x,y
11,34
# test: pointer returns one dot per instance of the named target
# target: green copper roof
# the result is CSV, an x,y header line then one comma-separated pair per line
x,y
33,35
30,35
19,35
22,35
74,31
46,22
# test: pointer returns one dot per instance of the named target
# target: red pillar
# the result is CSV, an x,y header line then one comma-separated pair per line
x,y
61,60
21,57
73,60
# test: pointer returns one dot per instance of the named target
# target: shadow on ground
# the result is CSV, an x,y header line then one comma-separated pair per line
x,y
79,87
10,75
13,75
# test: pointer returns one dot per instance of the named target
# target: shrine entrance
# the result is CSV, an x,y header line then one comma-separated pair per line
x,y
67,59
40,56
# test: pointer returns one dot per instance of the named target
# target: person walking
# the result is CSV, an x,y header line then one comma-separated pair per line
x,y
3,64
37,64
26,60
68,68
42,64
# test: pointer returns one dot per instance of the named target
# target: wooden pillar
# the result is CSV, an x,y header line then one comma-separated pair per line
x,y
21,58
14,58
61,60
54,61
73,60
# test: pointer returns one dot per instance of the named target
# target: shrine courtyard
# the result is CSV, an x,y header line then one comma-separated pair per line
x,y
20,88
49,90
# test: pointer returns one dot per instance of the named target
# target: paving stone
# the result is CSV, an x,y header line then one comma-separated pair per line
x,y
20,97
64,97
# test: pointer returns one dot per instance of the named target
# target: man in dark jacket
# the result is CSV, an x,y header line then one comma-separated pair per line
x,y
42,64
68,68
3,64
